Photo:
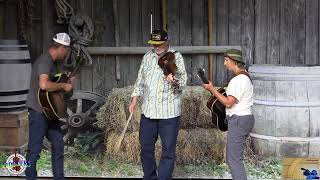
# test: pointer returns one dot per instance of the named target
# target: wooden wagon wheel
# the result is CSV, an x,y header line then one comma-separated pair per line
x,y
81,111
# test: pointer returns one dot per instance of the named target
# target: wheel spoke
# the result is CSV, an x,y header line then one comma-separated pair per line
x,y
93,107
69,112
79,106
64,127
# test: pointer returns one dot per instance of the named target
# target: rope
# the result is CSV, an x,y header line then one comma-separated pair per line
x,y
64,11
80,30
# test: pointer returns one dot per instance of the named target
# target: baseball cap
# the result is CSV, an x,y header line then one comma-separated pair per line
x,y
234,54
62,38
158,36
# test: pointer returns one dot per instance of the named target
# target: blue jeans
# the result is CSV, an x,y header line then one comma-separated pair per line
x,y
39,127
149,130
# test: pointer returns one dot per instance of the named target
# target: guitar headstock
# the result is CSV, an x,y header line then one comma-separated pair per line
x,y
201,75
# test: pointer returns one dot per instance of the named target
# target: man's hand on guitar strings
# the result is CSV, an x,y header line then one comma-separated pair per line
x,y
209,87
67,87
72,81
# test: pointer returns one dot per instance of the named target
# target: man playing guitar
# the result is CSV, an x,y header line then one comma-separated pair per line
x,y
39,125
238,104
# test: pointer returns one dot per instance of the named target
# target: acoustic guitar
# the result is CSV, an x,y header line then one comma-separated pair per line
x,y
52,103
218,110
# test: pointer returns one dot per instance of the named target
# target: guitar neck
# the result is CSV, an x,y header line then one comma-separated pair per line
x,y
76,69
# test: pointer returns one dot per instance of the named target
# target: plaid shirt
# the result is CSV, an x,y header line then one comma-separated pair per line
x,y
159,98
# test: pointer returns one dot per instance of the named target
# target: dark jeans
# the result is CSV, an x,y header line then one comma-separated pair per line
x,y
149,130
239,128
39,127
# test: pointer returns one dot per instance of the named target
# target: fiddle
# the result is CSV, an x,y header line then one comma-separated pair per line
x,y
167,63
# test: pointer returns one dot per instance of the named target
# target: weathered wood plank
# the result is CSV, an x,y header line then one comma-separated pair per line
x,y
234,27
124,39
2,14
260,48
312,32
173,21
135,39
98,64
85,6
292,32
273,32
123,50
199,34
35,39
247,37
157,14
185,34
47,23
109,73
10,28
222,40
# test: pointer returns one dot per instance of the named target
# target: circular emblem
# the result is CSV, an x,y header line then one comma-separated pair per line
x,y
16,164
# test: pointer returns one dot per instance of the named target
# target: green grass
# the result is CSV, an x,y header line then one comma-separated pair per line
x,y
97,165
44,162
3,157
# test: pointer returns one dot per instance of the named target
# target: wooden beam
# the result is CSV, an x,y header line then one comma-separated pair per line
x,y
143,50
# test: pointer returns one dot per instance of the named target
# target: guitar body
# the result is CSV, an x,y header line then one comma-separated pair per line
x,y
52,103
218,111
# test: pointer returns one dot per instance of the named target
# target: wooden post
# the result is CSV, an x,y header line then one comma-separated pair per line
x,y
210,24
116,36
164,14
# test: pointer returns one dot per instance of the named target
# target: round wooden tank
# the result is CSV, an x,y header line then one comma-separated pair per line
x,y
15,74
287,110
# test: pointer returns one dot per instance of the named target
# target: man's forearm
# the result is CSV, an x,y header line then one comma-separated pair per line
x,y
220,97
52,86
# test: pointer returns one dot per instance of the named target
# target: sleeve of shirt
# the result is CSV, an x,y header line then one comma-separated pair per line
x,y
236,88
181,73
138,85
43,67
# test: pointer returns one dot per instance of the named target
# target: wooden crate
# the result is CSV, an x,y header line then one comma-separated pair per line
x,y
13,132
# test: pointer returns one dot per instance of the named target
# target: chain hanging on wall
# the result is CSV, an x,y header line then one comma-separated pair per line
x,y
24,18
81,31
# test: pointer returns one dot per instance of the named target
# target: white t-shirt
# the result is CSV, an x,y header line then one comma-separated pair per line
x,y
241,88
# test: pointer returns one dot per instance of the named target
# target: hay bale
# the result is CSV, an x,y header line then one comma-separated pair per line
x,y
113,114
194,111
193,146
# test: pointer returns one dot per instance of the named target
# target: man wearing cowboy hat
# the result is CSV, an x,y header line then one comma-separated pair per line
x,y
161,107
238,110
